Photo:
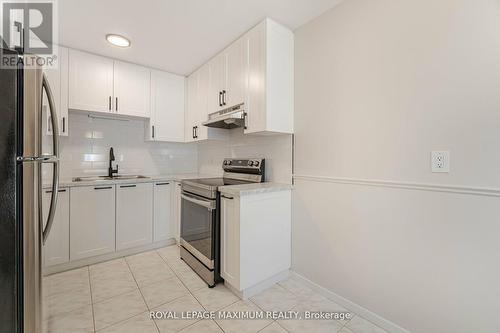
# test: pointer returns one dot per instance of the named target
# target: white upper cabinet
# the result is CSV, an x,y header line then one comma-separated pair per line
x,y
269,101
227,80
217,83
236,74
256,71
90,82
132,86
167,107
100,84
58,81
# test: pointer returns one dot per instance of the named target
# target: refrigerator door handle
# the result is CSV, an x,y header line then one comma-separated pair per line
x,y
52,159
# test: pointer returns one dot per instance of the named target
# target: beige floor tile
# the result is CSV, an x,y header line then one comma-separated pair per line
x,y
297,288
216,298
191,280
65,302
76,321
203,326
169,252
360,325
178,265
108,269
149,268
113,285
138,324
117,309
273,328
345,330
178,306
242,325
276,298
61,283
163,292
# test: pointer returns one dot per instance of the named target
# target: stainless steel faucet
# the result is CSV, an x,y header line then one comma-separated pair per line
x,y
111,171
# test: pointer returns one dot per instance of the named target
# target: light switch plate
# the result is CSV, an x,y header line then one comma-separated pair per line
x,y
440,161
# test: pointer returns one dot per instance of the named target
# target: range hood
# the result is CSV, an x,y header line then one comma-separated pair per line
x,y
232,117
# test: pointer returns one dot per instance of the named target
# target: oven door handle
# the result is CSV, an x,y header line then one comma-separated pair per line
x,y
207,204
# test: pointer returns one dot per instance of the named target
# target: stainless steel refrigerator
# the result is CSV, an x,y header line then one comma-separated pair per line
x,y
22,230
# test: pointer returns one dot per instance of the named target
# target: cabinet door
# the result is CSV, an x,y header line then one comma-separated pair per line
x,y
217,83
235,89
92,216
132,86
256,102
56,249
58,81
134,215
163,221
90,82
167,106
192,105
176,204
230,240
202,110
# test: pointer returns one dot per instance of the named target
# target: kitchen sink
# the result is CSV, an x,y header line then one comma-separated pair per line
x,y
104,178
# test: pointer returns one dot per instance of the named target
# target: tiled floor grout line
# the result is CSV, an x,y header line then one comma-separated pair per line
x,y
91,297
185,286
140,291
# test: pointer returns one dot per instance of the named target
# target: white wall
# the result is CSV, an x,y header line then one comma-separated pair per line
x,y
276,149
379,85
86,150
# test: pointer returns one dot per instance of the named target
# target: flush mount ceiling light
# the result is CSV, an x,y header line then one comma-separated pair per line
x,y
118,40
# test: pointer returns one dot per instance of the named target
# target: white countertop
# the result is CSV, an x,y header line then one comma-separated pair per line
x,y
150,179
256,188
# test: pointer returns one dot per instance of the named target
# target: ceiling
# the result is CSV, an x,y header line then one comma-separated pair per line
x,y
174,35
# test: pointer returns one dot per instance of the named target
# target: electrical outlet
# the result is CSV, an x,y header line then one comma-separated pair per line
x,y
440,161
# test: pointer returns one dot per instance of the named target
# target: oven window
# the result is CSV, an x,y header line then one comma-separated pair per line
x,y
197,223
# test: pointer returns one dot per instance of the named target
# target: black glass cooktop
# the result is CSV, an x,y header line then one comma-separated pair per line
x,y
217,181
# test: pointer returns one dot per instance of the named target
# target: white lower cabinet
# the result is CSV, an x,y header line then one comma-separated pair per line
x,y
255,239
92,218
134,215
162,212
56,249
176,205
230,240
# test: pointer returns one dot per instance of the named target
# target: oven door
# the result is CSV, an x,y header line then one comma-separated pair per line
x,y
198,218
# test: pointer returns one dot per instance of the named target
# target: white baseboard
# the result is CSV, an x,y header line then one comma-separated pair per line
x,y
351,306
259,287
105,257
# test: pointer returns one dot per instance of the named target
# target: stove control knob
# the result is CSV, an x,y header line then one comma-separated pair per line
x,y
250,163
228,162
256,163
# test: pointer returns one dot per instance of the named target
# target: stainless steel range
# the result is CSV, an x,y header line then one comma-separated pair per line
x,y
200,216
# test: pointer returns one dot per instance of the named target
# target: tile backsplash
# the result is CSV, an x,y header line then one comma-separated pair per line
x,y
276,149
86,150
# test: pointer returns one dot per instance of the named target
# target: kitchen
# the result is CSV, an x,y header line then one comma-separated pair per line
x,y
256,166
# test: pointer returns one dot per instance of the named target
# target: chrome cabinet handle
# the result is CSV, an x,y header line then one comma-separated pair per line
x,y
116,104
223,97
109,103
229,198
153,130
64,125
54,159
127,186
103,188
160,184
220,98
